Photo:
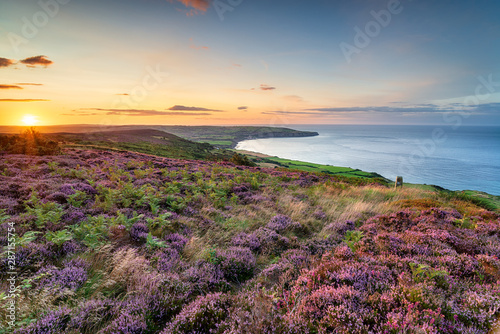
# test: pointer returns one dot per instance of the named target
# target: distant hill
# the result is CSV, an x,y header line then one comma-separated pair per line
x,y
147,141
229,136
220,136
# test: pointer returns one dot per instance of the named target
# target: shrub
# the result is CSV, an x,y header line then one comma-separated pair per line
x,y
236,263
167,259
205,315
139,232
206,277
91,315
30,142
281,223
246,240
52,322
72,276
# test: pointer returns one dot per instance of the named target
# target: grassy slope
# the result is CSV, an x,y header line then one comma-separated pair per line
x,y
123,270
221,136
311,167
146,141
163,144
227,137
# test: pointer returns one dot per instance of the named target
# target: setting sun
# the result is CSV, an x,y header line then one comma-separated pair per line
x,y
30,120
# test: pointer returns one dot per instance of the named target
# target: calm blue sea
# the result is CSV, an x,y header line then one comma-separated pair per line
x,y
456,159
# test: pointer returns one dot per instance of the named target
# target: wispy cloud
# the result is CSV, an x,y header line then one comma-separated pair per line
x,y
283,112
10,87
23,100
138,112
267,87
294,98
4,62
488,108
198,6
419,108
184,108
37,61
243,108
28,84
197,47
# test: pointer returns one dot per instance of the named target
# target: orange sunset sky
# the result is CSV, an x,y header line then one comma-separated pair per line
x,y
248,62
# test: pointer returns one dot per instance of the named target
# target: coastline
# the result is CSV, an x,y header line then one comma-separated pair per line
x,y
398,151
490,200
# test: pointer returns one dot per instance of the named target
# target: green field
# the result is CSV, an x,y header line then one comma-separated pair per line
x,y
311,167
219,142
229,136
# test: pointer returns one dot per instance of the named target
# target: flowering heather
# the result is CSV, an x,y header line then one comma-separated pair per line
x,y
236,263
204,315
176,241
206,277
167,259
139,232
52,322
127,243
92,314
72,276
247,240
280,223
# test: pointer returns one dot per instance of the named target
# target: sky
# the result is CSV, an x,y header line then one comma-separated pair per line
x,y
227,62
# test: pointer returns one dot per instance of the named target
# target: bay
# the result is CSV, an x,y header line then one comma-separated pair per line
x,y
467,158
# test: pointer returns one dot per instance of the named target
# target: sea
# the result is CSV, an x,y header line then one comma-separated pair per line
x,y
463,158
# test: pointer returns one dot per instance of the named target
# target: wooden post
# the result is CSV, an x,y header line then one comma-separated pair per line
x,y
399,182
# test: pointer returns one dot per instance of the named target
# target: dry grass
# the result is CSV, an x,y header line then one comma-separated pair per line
x,y
194,249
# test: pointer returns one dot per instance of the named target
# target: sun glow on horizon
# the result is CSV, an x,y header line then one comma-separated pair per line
x,y
30,120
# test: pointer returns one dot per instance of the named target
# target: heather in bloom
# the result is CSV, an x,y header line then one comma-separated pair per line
x,y
206,277
72,276
92,315
139,232
247,240
167,259
207,314
236,263
100,250
280,223
52,322
176,241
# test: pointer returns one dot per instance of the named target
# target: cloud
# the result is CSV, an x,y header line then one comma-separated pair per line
x,y
28,84
37,61
487,108
422,108
198,6
4,62
196,47
281,112
294,98
137,112
184,108
267,87
10,87
124,94
244,108
23,100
